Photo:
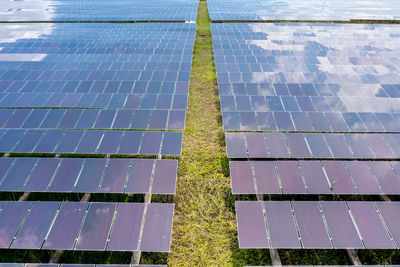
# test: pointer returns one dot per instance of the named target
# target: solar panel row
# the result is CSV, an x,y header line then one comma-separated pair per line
x,y
89,175
303,10
312,224
315,177
126,85
90,142
99,10
94,100
308,89
312,145
311,121
310,103
93,119
86,226
75,265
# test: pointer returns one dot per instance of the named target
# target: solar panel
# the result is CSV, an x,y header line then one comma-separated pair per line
x,y
315,222
89,175
99,10
88,223
314,177
141,101
302,10
69,141
308,145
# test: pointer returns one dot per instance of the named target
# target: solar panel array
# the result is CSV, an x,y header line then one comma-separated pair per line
x,y
99,10
323,225
303,10
90,175
77,102
314,110
86,226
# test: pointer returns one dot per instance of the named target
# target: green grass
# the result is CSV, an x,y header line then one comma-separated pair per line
x,y
204,232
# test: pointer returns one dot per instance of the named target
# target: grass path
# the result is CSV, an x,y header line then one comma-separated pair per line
x,y
204,224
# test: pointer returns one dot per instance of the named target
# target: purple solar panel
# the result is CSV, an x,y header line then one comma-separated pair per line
x,y
266,177
314,177
95,230
126,229
66,226
37,223
90,177
90,141
340,224
157,228
248,121
277,145
235,145
151,143
18,174
123,119
281,227
338,177
301,121
42,175
241,177
393,140
67,173
318,146
336,121
266,121
311,226
110,142
29,141
172,144
176,120
370,225
390,212
338,146
115,176
139,176
49,141
11,217
362,177
358,145
387,178
256,145
290,176
298,146
252,232
69,141
158,119
165,173
378,146
130,142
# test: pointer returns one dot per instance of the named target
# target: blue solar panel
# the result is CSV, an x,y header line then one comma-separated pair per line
x,y
138,58
73,141
308,77
99,10
92,119
303,10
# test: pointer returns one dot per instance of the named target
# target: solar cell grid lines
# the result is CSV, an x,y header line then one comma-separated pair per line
x,y
301,216
93,119
31,233
311,145
106,142
100,10
91,175
256,10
